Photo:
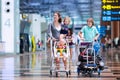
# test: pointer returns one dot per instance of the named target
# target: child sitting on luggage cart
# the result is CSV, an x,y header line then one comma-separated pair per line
x,y
61,51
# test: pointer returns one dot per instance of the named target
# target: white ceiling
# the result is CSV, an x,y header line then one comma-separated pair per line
x,y
79,10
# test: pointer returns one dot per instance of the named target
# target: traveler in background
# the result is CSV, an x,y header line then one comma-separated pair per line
x,y
108,42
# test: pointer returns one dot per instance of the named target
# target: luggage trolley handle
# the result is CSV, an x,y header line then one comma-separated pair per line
x,y
86,44
93,43
89,46
52,45
92,50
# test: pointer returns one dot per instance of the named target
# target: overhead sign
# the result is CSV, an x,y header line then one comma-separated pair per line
x,y
111,10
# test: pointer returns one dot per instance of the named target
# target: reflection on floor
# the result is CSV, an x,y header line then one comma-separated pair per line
x,y
36,66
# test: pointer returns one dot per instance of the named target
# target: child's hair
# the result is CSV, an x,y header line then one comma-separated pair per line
x,y
90,20
71,31
67,18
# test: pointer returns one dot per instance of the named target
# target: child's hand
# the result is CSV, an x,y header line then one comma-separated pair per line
x,y
95,39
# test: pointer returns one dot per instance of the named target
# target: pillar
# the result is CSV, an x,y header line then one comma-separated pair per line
x,y
10,25
115,29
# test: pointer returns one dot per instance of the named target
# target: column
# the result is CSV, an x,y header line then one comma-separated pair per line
x,y
119,28
115,28
10,25
16,26
0,20
35,26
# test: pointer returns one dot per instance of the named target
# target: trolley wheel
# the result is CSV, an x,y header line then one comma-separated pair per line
x,y
56,74
83,74
78,73
90,73
67,74
98,73
50,72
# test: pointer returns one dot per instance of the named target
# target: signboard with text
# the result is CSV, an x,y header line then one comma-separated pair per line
x,y
110,10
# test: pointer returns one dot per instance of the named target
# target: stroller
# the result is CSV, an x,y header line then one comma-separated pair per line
x,y
89,60
61,54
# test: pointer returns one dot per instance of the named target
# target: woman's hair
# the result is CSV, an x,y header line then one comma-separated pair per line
x,y
60,19
67,18
71,31
90,20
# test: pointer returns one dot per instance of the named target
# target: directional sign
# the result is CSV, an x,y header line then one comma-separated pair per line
x,y
111,10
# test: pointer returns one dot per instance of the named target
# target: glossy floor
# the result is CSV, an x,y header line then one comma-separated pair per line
x,y
36,66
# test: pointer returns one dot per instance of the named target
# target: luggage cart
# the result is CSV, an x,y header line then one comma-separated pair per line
x,y
88,61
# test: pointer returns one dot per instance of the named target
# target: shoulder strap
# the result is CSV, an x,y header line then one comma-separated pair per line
x,y
51,30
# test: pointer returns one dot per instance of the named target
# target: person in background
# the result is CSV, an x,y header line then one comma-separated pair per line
x,y
108,42
38,43
119,42
21,44
116,42
103,44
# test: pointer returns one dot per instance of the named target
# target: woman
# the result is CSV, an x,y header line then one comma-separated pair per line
x,y
55,27
54,32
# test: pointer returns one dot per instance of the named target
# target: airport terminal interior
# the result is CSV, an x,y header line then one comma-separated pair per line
x,y
26,53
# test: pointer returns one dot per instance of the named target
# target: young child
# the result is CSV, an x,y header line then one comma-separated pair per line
x,y
61,48
61,51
